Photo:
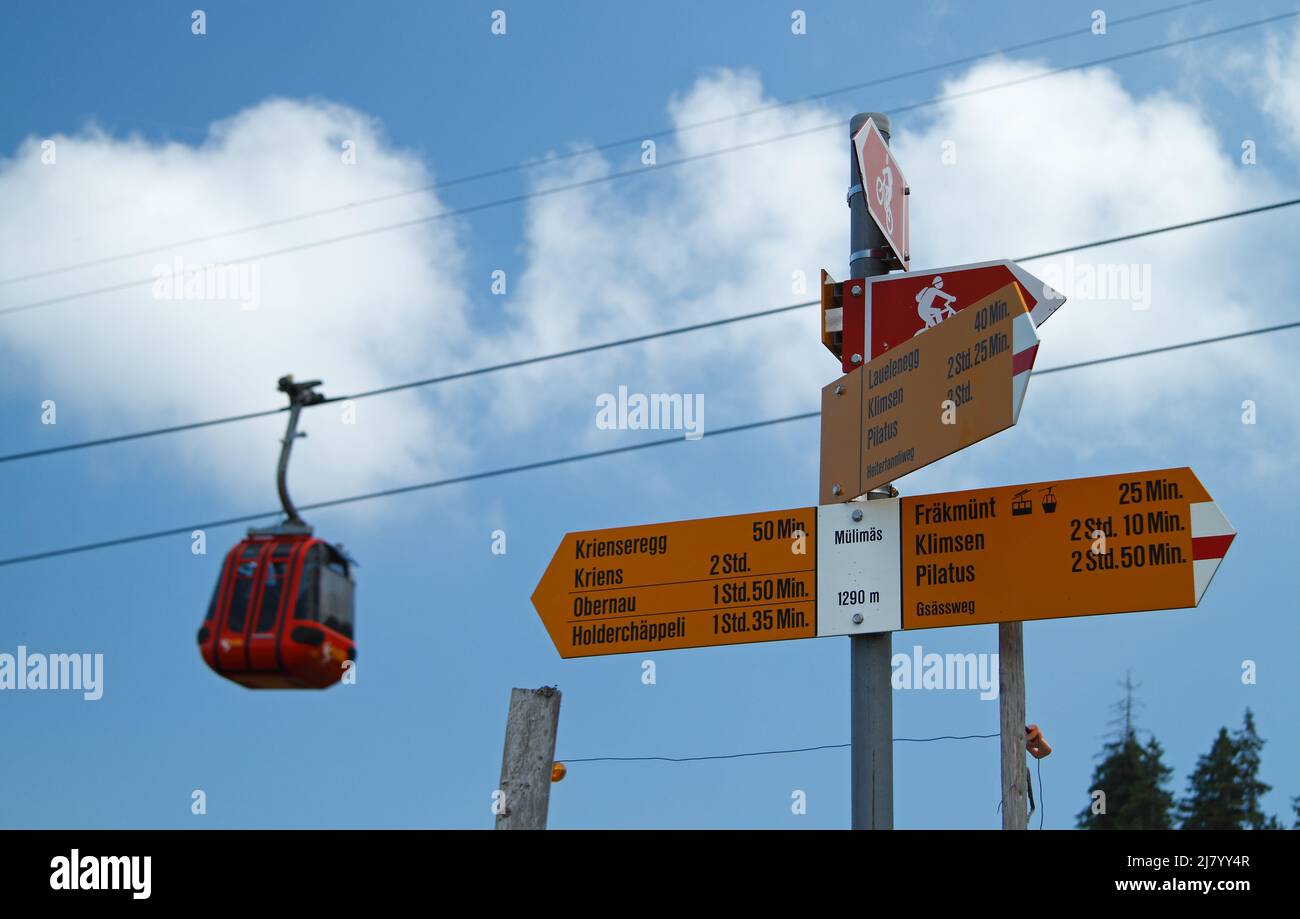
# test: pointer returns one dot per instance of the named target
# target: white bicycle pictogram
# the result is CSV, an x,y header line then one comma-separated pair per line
x,y
885,196
926,298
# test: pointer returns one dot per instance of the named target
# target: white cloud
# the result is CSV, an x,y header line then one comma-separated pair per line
x,y
1078,158
357,314
1277,84
717,237
1045,164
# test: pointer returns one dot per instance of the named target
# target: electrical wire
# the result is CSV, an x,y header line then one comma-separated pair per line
x,y
429,381
601,148
406,489
720,756
649,336
640,171
1199,222
540,464
1042,797
1163,349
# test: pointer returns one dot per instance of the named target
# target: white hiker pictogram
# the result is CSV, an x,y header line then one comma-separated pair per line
x,y
930,314
885,196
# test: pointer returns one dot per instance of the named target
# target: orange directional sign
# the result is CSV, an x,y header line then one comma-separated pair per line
x,y
1076,547
1109,544
956,384
694,583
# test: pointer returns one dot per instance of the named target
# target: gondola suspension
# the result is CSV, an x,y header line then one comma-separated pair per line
x,y
282,613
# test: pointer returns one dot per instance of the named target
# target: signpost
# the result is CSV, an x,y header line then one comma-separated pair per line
x,y
1110,544
871,695
961,382
1048,550
888,311
695,583
934,362
885,189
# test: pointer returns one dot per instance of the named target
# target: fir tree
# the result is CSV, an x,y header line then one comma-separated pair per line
x,y
1249,745
1213,799
1224,791
1132,777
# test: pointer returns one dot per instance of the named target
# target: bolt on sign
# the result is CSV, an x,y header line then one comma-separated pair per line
x,y
694,583
885,190
962,381
1048,550
890,310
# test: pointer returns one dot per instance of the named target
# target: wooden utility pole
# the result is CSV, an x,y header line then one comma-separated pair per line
x,y
524,795
1011,706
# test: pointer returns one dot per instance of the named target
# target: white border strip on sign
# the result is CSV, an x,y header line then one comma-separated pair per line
x,y
1023,337
1207,520
1048,297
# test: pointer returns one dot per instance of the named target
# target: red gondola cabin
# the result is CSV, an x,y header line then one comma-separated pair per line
x,y
281,613
281,616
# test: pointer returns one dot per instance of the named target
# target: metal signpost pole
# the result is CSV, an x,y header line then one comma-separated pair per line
x,y
871,693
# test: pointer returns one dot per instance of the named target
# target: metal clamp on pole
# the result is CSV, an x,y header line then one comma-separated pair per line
x,y
881,254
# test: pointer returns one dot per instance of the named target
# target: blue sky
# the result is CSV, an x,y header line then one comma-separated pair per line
x,y
445,628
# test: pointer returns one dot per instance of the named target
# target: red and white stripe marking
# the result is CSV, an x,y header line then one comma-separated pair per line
x,y
1211,536
1024,348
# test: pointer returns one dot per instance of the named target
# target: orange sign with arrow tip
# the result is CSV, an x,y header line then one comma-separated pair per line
x,y
954,385
1076,547
687,584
